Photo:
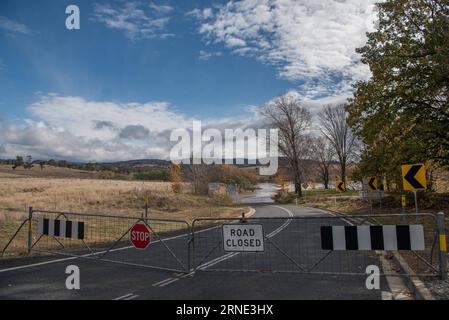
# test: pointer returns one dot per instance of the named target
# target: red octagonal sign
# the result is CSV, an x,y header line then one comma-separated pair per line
x,y
140,235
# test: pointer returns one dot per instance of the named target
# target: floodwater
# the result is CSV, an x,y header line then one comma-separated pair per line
x,y
262,194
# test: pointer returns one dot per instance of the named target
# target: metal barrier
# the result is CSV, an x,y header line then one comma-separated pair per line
x,y
293,244
288,244
107,238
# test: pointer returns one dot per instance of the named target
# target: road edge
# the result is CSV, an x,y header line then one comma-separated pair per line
x,y
413,282
250,212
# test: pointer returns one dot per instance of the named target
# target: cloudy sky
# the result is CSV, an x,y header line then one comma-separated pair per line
x,y
136,70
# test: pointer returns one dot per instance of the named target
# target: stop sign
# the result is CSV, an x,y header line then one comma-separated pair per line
x,y
140,235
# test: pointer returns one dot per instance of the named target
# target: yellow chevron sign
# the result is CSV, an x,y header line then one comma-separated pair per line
x,y
341,186
414,177
372,184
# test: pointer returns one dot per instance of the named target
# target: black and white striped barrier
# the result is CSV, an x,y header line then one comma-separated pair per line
x,y
61,228
365,237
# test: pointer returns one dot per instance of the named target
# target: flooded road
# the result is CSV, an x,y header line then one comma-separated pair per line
x,y
262,194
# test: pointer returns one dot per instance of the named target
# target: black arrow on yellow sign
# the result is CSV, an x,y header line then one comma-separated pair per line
x,y
372,183
410,177
341,186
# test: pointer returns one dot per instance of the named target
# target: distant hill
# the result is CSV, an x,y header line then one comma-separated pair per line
x,y
138,163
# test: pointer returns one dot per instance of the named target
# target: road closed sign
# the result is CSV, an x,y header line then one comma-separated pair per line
x,y
140,236
243,237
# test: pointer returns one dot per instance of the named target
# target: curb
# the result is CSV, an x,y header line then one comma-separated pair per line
x,y
413,282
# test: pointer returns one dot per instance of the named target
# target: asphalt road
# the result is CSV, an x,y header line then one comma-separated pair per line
x,y
291,244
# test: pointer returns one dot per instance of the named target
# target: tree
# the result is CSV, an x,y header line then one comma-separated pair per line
x,y
335,129
175,177
292,120
18,162
323,153
281,182
402,112
28,163
200,178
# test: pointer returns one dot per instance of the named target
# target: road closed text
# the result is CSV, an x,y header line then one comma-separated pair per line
x,y
243,237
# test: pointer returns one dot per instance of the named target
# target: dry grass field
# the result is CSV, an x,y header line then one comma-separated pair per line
x,y
18,191
6,171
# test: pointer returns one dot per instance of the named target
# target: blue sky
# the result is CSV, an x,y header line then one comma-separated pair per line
x,y
167,60
102,64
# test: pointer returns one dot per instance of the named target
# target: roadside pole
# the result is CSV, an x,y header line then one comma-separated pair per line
x,y
416,204
145,199
442,245
416,201
30,236
404,204
380,205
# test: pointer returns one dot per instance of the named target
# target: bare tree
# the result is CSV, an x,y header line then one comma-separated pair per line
x,y
336,130
198,172
323,153
292,120
200,178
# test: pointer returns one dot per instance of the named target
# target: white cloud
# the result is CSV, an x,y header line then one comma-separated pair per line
x,y
73,128
43,141
12,26
131,18
235,42
161,8
309,41
200,14
81,117
204,55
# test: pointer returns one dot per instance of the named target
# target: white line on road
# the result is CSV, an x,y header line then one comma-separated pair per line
x,y
225,257
202,267
123,297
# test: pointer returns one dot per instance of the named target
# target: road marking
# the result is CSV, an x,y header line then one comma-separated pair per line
x,y
283,226
92,254
202,267
132,297
123,297
165,280
225,257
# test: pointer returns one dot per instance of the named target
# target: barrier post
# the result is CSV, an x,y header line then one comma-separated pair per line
x,y
30,235
442,245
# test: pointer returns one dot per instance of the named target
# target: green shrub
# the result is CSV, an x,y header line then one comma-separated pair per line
x,y
283,197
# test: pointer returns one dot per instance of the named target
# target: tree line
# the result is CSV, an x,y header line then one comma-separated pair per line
x,y
401,114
